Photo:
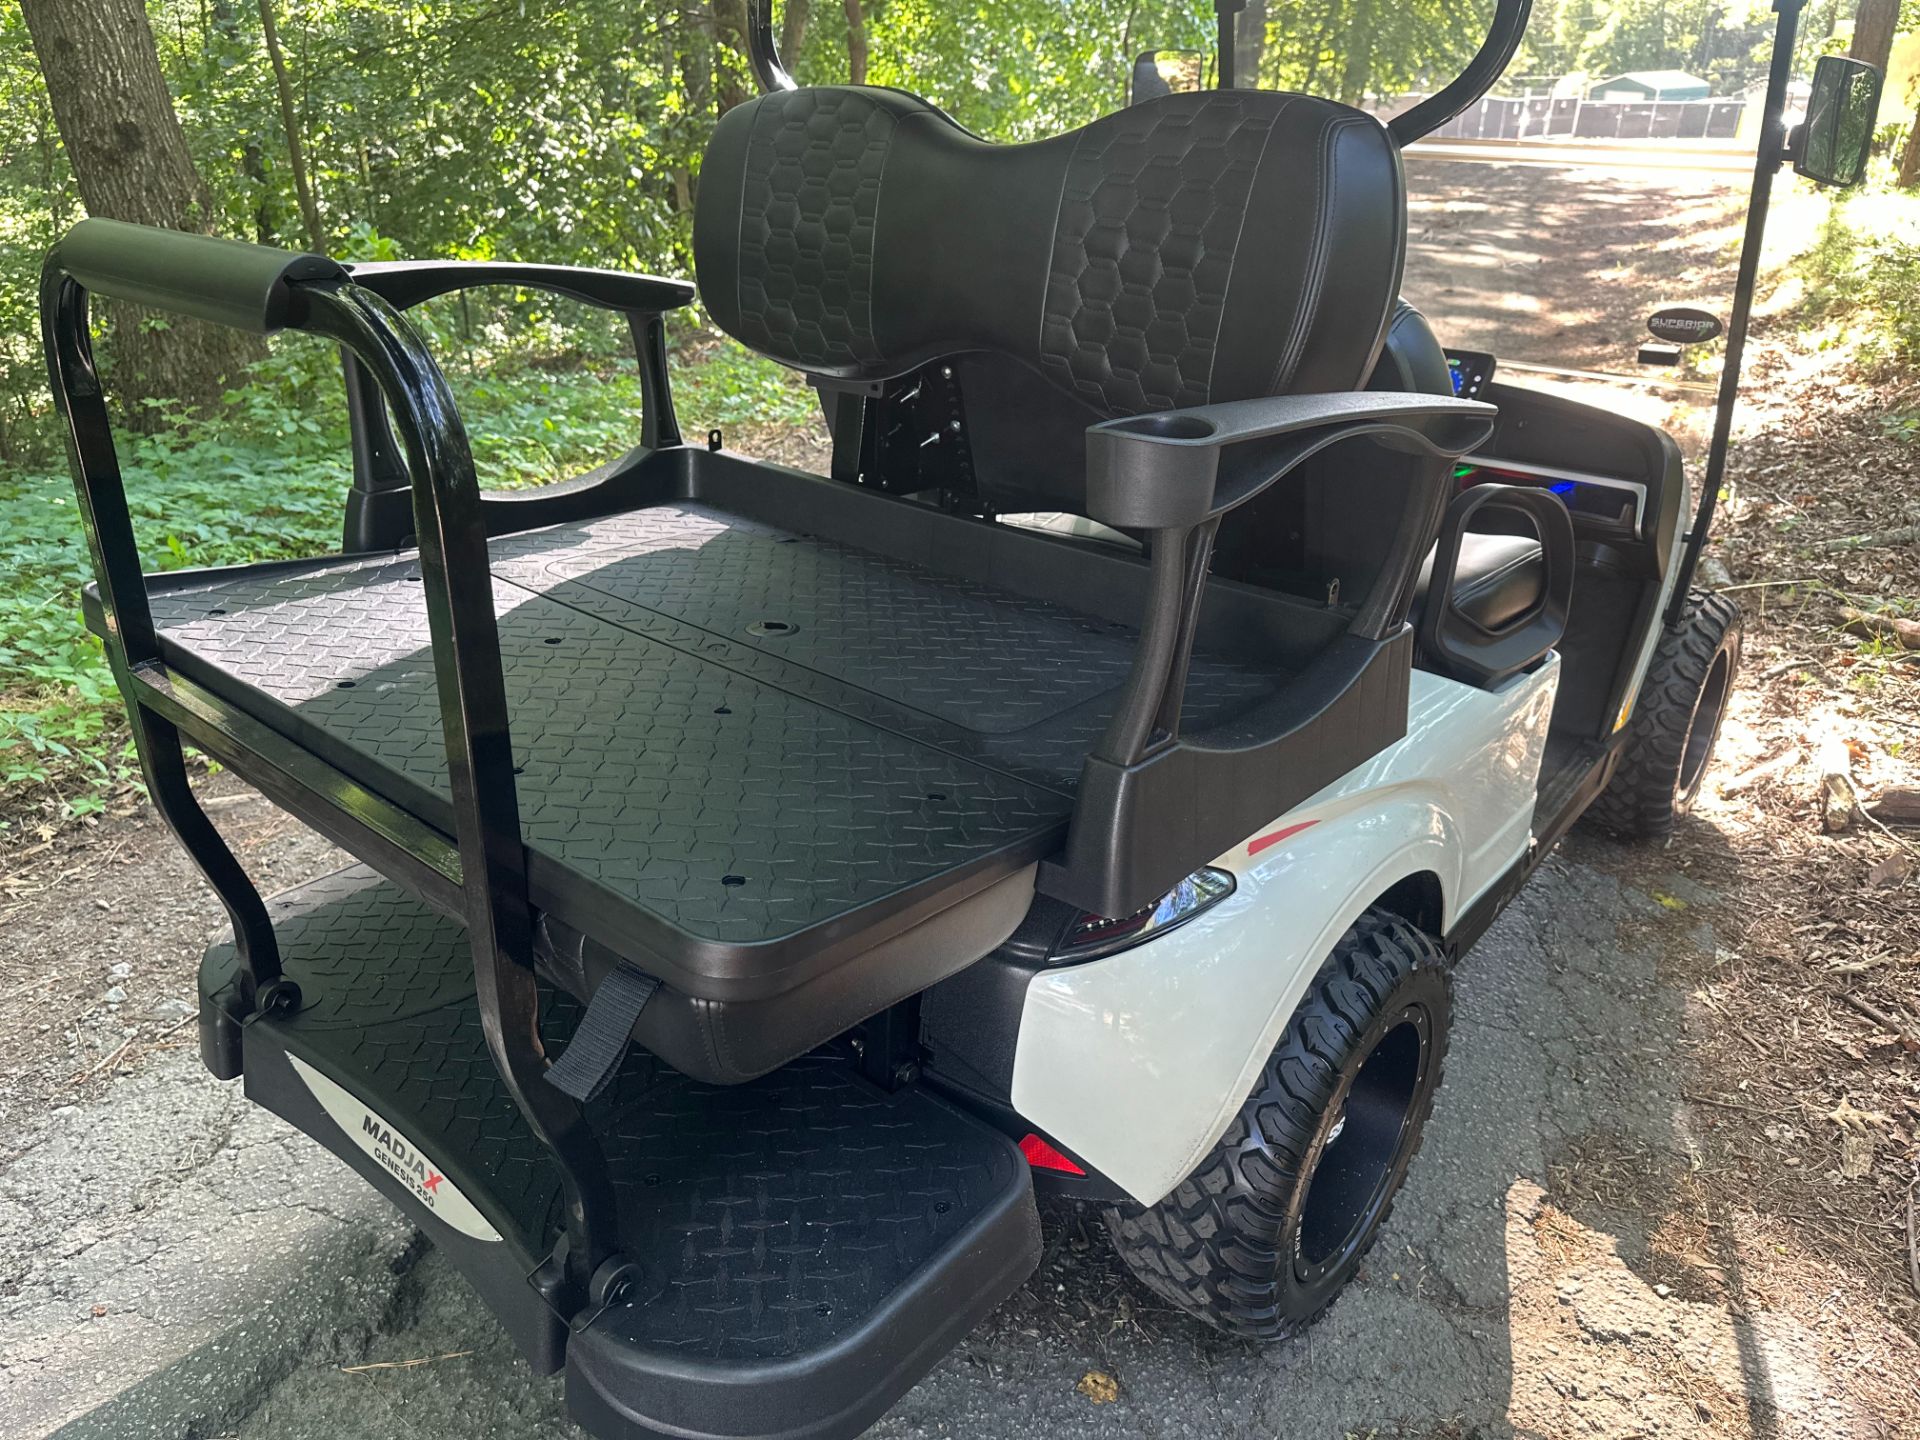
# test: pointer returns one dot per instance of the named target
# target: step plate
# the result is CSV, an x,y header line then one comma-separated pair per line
x,y
809,1245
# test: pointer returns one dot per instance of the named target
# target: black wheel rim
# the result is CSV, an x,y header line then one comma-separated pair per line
x,y
1706,724
1363,1149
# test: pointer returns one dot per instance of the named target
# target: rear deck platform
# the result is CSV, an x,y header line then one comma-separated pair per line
x,y
807,1244
735,743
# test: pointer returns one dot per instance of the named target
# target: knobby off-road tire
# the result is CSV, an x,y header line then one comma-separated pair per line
x,y
1675,722
1275,1221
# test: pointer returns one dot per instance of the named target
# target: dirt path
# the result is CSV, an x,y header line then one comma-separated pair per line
x,y
104,926
1560,266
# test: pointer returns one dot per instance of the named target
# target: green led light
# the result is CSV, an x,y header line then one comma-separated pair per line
x,y
1461,472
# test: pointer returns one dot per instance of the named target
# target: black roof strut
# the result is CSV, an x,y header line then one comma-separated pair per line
x,y
1503,38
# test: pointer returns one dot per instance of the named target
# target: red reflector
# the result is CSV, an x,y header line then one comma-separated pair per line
x,y
1043,1156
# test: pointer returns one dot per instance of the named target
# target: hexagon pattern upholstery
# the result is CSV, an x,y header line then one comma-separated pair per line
x,y
807,209
1151,211
1200,247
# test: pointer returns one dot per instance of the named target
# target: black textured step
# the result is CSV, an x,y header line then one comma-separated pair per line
x,y
809,1244
732,738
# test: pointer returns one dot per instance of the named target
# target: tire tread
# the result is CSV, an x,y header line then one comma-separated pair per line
x,y
1211,1246
1640,799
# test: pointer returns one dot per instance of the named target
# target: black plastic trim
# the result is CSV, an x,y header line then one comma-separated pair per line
x,y
1452,642
406,283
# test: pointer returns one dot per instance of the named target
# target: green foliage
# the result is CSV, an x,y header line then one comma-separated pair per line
x,y
571,131
1863,272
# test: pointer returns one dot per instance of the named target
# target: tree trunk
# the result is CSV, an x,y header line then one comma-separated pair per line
x,y
793,33
1357,73
1249,40
856,43
290,123
1873,25
730,82
130,159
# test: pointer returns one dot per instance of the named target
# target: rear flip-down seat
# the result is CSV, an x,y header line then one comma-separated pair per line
x,y
793,780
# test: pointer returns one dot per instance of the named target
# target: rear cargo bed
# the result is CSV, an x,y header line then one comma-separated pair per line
x,y
730,737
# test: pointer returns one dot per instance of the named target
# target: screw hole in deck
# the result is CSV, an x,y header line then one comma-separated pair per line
x,y
936,795
722,710
344,684
772,627
733,881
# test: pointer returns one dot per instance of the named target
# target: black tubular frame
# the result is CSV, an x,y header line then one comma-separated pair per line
x,y
1489,62
482,878
1771,155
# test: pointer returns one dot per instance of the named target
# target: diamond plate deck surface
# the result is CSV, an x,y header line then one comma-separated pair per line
x,y
769,1217
975,657
740,785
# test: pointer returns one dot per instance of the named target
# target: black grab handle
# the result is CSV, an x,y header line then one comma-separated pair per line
x,y
227,282
1455,644
1184,467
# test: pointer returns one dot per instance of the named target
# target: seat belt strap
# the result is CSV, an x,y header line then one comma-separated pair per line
x,y
594,1053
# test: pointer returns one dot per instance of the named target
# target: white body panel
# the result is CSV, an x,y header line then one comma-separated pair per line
x,y
1138,1062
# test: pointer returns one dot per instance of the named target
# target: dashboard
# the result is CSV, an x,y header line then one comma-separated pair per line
x,y
1471,372
1617,505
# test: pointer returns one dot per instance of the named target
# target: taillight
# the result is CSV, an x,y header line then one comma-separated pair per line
x,y
1091,936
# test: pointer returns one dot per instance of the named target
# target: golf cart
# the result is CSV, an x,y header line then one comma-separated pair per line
x,y
766,879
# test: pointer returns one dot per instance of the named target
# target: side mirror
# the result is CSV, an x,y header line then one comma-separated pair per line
x,y
1167,72
1832,147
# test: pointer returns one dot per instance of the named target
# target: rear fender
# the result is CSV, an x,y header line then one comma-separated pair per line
x,y
1138,1062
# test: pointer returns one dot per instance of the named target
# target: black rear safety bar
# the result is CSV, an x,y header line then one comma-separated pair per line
x,y
261,290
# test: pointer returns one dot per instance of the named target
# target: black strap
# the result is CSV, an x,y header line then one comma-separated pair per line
x,y
594,1053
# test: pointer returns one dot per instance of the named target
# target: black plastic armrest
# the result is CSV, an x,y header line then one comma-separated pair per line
x,y
1178,468
1177,472
379,515
406,283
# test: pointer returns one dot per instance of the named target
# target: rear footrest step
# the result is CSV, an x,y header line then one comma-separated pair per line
x,y
809,1245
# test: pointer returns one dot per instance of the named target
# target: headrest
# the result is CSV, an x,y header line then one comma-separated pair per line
x,y
1220,245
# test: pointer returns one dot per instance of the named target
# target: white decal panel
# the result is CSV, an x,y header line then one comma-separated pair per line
x,y
395,1154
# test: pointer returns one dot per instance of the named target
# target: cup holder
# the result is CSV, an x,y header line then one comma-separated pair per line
x,y
1171,427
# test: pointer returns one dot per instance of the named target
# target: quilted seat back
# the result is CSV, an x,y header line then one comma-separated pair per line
x,y
1200,247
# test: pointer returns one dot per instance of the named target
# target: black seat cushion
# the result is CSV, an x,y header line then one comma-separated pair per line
x,y
1202,247
1498,579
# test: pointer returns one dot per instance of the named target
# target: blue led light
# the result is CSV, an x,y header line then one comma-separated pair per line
x,y
1564,487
